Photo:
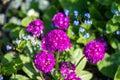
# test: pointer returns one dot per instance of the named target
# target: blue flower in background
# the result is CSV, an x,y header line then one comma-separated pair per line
x,y
52,25
87,35
81,29
89,22
76,22
87,15
8,47
38,47
66,12
17,41
104,31
118,32
75,13
113,10
73,33
117,13
1,78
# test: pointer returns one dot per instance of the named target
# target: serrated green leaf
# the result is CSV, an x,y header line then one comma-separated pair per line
x,y
85,75
27,20
117,74
19,77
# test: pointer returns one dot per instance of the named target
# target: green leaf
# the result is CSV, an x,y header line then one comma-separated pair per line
x,y
117,74
11,63
8,57
114,43
27,20
9,26
85,26
109,64
85,75
72,5
29,69
116,19
70,30
47,18
105,2
15,32
19,77
25,59
76,56
110,27
21,46
22,31
95,13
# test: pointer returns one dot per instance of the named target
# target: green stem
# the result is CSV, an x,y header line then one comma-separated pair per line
x,y
57,58
41,76
80,61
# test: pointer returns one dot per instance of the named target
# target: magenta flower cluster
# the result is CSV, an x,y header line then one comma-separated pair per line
x,y
35,28
44,61
94,51
61,21
68,71
56,40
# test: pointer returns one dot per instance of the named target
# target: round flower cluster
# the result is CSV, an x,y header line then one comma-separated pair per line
x,y
56,40
35,28
44,61
103,41
94,51
68,71
61,21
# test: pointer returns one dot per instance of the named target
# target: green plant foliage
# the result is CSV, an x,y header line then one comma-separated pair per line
x,y
47,17
11,63
21,46
27,20
117,74
109,64
89,19
76,56
85,75
19,77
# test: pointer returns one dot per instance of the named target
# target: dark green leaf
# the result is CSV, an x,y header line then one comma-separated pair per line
x,y
105,2
109,64
47,18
